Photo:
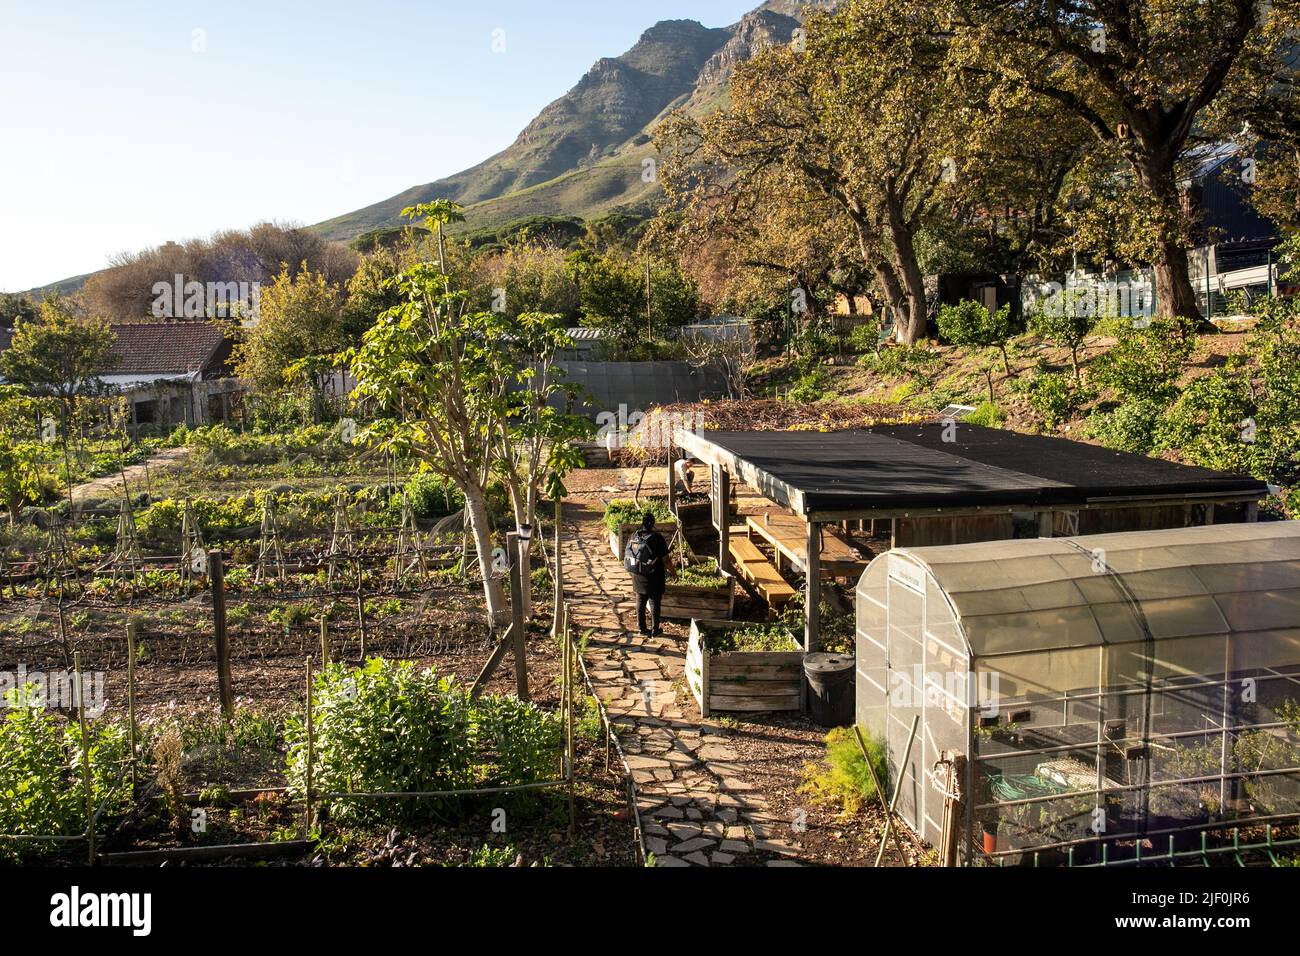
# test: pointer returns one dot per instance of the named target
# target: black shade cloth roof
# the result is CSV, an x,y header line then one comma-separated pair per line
x,y
911,466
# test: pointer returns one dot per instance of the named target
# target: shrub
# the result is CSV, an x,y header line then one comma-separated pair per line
x,y
431,496
387,727
1066,328
1129,427
905,361
971,325
986,414
809,387
841,777
1057,398
1146,362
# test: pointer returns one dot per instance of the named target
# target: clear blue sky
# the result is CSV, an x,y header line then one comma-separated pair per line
x,y
131,123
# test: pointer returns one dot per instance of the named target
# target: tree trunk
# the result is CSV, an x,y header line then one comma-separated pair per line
x,y
1155,171
476,509
1175,296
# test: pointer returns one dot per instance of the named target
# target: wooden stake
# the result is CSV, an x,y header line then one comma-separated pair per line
x,y
225,686
324,637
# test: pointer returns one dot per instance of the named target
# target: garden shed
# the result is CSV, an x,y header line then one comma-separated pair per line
x,y
835,500
1120,689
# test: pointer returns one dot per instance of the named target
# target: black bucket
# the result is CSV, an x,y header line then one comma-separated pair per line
x,y
830,689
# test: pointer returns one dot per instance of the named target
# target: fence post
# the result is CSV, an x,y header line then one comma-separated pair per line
x,y
324,636
225,688
87,784
132,632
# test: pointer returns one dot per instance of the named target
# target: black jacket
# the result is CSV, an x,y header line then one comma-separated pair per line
x,y
656,583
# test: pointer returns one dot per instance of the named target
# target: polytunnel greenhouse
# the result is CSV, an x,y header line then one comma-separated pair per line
x,y
1074,696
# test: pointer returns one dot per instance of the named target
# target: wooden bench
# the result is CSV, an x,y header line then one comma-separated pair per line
x,y
752,565
787,535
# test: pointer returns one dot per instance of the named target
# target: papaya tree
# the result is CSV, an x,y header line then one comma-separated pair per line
x,y
440,368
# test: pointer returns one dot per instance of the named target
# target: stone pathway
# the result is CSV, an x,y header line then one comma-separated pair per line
x,y
696,807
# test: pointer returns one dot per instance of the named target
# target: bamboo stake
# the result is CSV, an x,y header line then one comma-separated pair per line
x,y
131,628
86,783
898,789
568,671
880,792
311,754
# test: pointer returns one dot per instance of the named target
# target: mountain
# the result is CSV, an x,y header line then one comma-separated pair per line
x,y
583,154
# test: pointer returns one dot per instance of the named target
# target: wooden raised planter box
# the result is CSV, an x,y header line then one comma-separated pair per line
x,y
688,602
742,681
618,539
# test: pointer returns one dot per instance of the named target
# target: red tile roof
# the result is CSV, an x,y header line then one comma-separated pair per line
x,y
169,348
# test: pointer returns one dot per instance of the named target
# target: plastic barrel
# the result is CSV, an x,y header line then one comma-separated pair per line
x,y
830,689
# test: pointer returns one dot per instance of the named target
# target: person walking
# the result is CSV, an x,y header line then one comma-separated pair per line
x,y
646,559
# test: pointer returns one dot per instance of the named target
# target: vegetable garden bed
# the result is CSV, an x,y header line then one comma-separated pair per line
x,y
735,666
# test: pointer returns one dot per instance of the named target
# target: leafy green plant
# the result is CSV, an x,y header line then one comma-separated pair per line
x,y
747,637
41,780
1145,364
987,415
1130,427
971,325
1065,327
388,727
809,387
1057,398
622,512
841,776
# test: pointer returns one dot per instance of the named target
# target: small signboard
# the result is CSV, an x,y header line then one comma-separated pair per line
x,y
717,497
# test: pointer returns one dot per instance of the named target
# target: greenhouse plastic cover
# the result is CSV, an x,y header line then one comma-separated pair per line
x,y
1052,593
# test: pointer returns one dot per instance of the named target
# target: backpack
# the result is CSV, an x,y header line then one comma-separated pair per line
x,y
639,559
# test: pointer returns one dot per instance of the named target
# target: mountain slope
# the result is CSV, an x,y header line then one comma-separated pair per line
x,y
583,154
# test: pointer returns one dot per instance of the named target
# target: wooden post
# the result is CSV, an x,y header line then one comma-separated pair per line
x,y
132,629
324,636
311,756
361,623
1046,524
63,629
813,589
526,578
672,482
225,687
87,783
722,507
517,614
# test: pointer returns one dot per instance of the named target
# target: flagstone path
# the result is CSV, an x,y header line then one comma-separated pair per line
x,y
695,805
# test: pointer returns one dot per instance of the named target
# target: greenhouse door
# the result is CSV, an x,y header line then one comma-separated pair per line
x,y
906,626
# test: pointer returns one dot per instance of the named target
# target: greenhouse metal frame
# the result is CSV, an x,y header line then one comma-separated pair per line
x,y
1110,694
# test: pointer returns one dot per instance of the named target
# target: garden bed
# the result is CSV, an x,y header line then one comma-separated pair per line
x,y
734,666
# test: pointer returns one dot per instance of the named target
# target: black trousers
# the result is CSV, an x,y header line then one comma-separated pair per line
x,y
655,601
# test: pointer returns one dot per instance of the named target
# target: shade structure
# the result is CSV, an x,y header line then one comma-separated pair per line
x,y
1118,688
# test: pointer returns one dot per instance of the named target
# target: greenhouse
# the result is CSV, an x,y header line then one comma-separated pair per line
x,y
1056,699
